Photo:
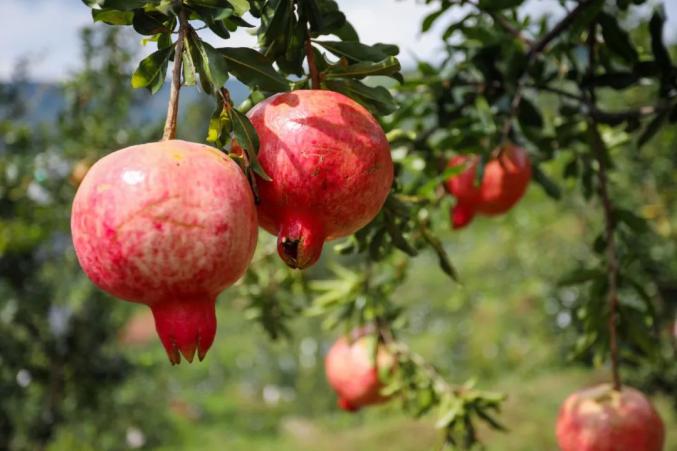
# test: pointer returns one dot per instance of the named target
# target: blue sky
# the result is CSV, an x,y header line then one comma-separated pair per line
x,y
46,31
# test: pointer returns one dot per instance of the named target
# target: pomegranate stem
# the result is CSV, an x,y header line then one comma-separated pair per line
x,y
310,56
173,106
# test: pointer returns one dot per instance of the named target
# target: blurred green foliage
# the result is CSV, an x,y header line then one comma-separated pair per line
x,y
70,380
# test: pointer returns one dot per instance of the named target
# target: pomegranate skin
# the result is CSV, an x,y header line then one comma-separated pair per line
x,y
353,372
330,165
603,419
168,224
504,182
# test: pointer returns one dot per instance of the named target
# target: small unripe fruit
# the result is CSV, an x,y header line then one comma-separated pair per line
x,y
504,182
167,224
603,419
330,165
353,365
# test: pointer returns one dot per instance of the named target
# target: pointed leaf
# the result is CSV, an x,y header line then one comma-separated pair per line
x,y
254,69
246,137
152,70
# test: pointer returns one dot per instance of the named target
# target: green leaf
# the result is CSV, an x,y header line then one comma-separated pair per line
x,y
550,187
579,276
389,66
632,220
616,38
356,51
657,44
346,32
122,5
443,257
253,69
246,137
376,99
275,22
497,5
652,128
615,80
112,16
208,3
150,23
152,70
398,239
528,114
431,18
209,63
188,67
240,6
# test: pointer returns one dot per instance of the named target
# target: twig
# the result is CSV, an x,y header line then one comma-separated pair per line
x,y
173,107
507,26
310,56
542,43
609,223
536,48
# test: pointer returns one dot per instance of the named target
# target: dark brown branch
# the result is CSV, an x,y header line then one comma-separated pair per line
x,y
599,148
173,107
536,48
562,25
609,117
507,26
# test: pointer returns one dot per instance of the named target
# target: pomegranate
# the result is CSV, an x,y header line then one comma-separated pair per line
x,y
330,165
504,183
167,224
603,419
352,366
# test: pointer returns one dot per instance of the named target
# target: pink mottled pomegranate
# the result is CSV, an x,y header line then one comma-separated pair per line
x,y
504,182
603,419
168,224
352,367
330,165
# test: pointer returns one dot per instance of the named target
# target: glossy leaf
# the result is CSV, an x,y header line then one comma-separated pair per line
x,y
152,70
253,69
246,137
376,99
112,16
356,51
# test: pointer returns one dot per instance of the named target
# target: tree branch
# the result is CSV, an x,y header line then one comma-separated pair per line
x,y
507,26
536,48
599,148
562,25
173,107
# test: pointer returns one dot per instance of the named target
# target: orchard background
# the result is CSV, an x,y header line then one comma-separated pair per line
x,y
496,323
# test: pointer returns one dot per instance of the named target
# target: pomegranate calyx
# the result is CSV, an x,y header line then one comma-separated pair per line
x,y
186,326
300,240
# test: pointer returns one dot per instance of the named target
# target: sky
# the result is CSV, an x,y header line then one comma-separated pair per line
x,y
46,31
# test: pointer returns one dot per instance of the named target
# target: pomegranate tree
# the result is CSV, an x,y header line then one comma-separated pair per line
x,y
168,224
603,419
353,365
330,165
503,184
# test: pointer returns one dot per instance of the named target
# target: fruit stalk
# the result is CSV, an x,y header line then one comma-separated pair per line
x,y
310,56
173,106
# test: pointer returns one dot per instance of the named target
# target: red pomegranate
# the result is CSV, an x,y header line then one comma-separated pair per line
x,y
330,165
352,366
603,419
167,224
504,183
